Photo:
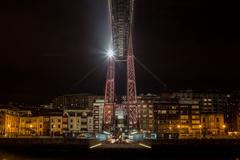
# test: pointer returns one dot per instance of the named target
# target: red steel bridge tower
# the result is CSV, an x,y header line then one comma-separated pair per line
x,y
121,22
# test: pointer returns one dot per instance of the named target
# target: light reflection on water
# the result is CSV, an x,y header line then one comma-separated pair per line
x,y
6,155
19,156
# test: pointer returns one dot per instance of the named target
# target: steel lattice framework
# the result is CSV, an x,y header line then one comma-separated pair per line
x,y
121,22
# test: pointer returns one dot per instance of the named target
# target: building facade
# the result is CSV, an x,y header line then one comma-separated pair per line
x,y
56,128
213,125
166,119
98,115
75,101
31,126
9,122
145,112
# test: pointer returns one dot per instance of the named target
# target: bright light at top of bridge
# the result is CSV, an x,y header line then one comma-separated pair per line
x,y
110,53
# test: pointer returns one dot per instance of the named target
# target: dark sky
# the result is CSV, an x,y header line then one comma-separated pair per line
x,y
49,45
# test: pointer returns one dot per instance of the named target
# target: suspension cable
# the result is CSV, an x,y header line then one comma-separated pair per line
x,y
152,74
85,76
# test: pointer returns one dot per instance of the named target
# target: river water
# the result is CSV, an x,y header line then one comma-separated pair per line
x,y
116,154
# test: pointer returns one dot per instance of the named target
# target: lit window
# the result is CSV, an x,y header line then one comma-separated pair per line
x,y
195,117
184,117
163,112
195,107
195,121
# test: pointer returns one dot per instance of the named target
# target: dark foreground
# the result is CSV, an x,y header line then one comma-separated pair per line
x,y
199,150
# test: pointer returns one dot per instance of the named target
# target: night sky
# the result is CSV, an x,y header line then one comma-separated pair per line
x,y
47,46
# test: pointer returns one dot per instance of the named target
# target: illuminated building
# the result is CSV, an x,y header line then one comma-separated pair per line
x,y
214,102
46,125
79,121
213,124
145,112
189,114
31,126
9,122
98,115
190,119
166,119
56,125
74,122
238,116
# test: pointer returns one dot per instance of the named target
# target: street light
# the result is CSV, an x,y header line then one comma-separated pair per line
x,y
30,129
110,53
9,129
224,128
200,127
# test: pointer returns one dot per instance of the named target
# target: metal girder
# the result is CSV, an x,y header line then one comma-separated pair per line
x,y
121,19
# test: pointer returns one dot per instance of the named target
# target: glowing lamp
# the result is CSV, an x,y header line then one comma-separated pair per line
x,y
110,53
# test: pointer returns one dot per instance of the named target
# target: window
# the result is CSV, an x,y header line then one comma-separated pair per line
x,y
195,117
195,121
195,107
173,112
163,112
59,126
217,119
96,122
59,120
71,126
184,117
40,126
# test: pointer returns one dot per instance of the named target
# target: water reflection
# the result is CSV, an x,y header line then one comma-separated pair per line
x,y
66,155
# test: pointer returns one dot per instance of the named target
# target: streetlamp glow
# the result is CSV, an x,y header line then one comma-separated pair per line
x,y
110,53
